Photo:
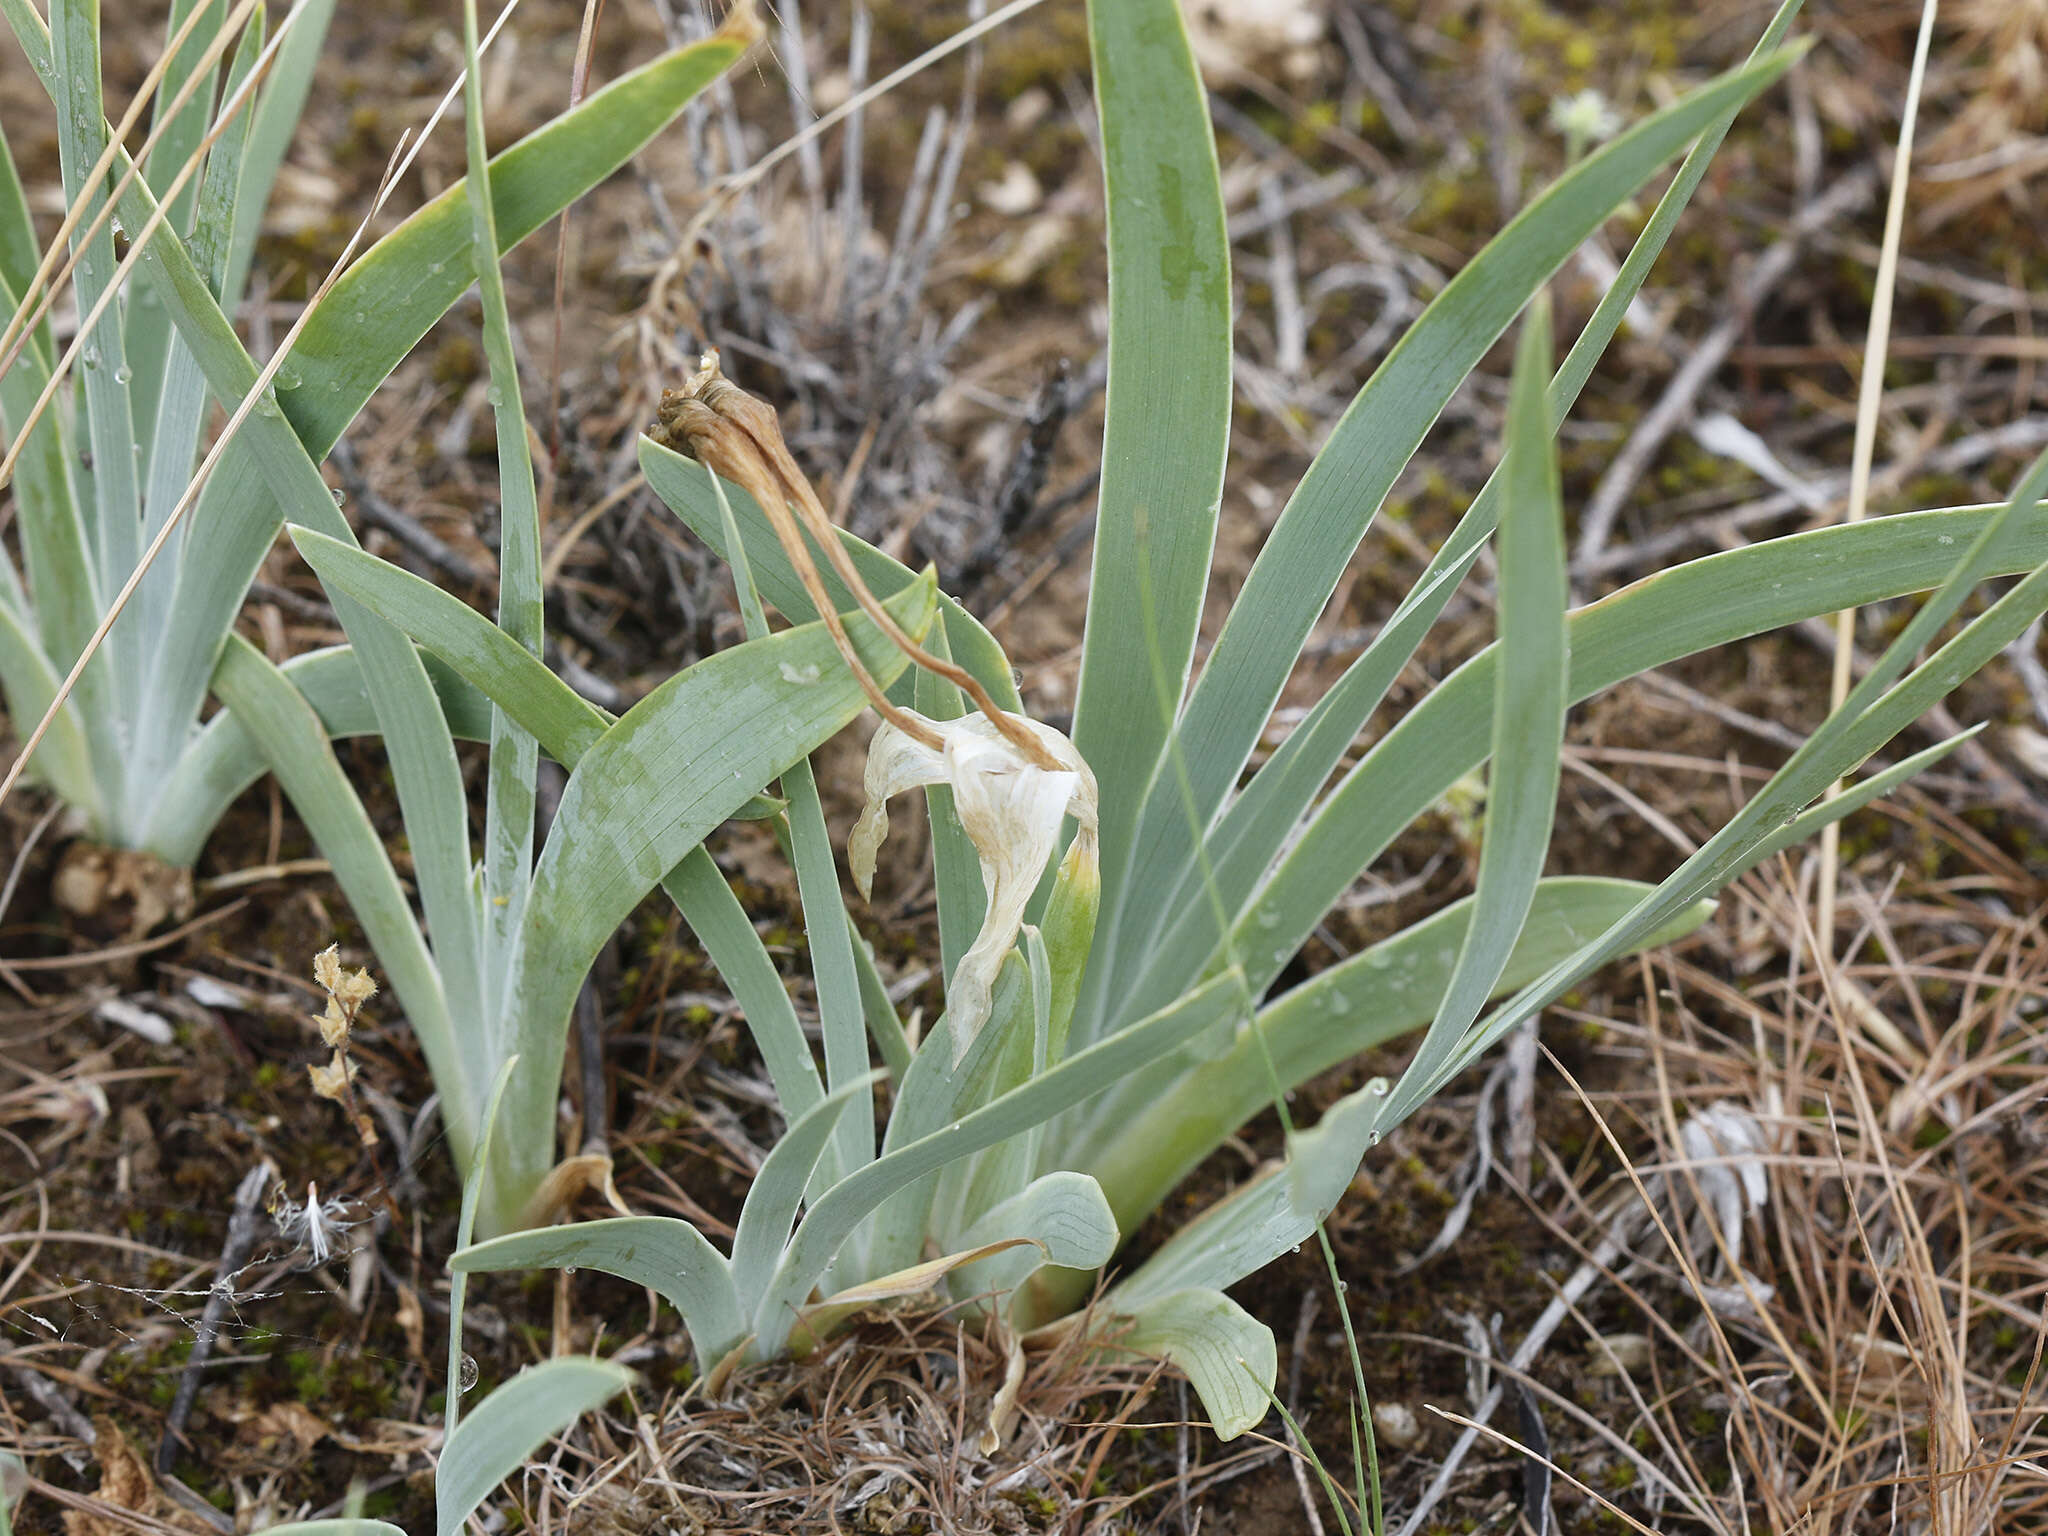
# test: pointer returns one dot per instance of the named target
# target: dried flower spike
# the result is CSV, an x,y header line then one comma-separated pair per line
x,y
347,991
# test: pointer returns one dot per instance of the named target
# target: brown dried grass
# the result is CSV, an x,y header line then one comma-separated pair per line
x,y
1868,1342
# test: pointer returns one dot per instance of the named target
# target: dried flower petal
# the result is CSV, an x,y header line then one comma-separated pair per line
x,y
333,1025
896,762
332,1080
355,989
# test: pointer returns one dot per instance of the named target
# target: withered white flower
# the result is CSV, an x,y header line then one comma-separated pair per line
x,y
1011,810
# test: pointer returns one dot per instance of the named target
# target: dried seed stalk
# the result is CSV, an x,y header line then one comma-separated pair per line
x,y
738,436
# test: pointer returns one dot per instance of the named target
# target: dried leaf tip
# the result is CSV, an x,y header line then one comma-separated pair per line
x,y
742,24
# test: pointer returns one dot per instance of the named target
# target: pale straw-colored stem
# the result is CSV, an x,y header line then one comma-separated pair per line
x,y
737,435
821,528
1870,396
766,490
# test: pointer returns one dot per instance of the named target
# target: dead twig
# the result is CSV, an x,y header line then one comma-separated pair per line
x,y
1676,404
243,1225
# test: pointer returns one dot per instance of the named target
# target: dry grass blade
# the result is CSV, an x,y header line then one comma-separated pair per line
x,y
1870,395
875,1432
1868,1330
1515,1445
34,302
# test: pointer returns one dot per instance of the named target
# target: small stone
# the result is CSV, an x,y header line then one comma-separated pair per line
x,y
1396,1424
1617,1352
1015,193
1027,109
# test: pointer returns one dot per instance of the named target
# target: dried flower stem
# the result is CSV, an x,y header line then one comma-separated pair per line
x,y
738,436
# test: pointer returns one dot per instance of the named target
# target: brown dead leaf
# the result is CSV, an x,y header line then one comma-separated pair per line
x,y
567,1180
286,1430
125,1484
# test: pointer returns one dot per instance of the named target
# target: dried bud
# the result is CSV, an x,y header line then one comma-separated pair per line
x,y
333,1025
332,1080
732,432
327,969
355,989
